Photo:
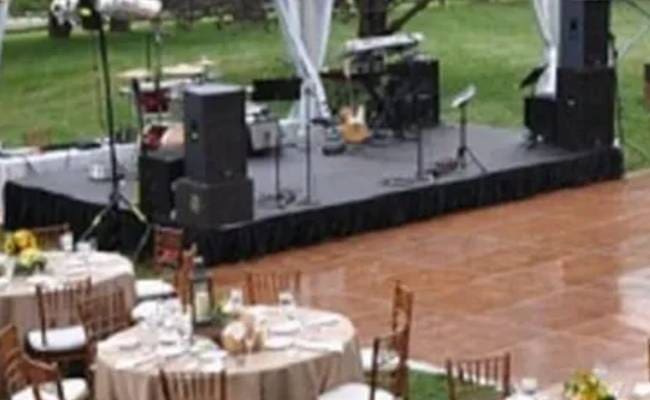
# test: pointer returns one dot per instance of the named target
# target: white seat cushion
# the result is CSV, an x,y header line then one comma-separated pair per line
x,y
153,288
355,391
366,361
58,339
148,307
73,389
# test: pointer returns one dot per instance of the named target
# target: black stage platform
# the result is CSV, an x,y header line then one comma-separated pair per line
x,y
348,188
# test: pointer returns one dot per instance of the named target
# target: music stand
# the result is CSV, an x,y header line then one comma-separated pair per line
x,y
461,102
267,90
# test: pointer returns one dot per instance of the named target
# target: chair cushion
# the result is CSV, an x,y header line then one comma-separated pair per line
x,y
148,307
146,289
366,361
58,339
355,391
73,389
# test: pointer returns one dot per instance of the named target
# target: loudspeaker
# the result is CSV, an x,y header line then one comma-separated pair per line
x,y
540,117
205,206
215,132
585,101
415,83
584,33
158,171
373,18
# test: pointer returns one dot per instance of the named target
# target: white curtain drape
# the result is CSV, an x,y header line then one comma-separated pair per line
x,y
548,22
4,19
306,28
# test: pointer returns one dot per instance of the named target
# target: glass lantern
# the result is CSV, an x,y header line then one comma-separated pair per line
x,y
202,302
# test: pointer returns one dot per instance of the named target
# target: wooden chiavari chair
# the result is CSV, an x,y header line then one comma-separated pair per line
x,y
183,277
467,376
265,287
48,237
26,379
384,385
648,355
401,319
60,337
101,316
167,248
194,386
180,287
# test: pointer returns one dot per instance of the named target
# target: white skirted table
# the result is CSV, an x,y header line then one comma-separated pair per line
x,y
18,303
294,365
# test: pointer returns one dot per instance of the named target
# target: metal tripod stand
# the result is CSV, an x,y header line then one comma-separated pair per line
x,y
116,199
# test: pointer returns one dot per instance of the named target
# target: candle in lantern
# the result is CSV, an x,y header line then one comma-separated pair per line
x,y
202,306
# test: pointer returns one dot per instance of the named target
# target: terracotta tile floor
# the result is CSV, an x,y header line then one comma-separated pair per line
x,y
561,280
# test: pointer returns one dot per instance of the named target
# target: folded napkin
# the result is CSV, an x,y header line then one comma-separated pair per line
x,y
333,346
135,361
641,390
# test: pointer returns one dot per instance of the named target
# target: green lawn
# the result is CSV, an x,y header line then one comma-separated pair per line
x,y
50,84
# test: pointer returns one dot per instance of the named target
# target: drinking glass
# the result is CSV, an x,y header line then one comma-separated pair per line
x,y
236,299
287,303
66,241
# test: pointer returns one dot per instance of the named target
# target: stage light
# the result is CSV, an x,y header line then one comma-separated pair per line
x,y
129,9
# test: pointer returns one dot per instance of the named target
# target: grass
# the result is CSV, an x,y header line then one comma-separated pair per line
x,y
51,84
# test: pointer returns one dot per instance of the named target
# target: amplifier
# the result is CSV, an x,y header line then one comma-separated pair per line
x,y
158,170
585,101
205,206
540,117
415,84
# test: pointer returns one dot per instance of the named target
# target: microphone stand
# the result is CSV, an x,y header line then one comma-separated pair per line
x,y
116,198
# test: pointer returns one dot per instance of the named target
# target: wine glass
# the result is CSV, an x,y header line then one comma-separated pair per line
x,y
66,241
287,302
249,340
236,299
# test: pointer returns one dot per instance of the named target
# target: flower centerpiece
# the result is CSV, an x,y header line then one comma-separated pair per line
x,y
587,386
23,246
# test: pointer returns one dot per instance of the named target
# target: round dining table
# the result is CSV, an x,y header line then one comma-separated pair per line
x,y
293,364
107,271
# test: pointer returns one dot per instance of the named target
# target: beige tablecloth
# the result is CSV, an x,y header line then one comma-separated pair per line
x,y
296,373
18,303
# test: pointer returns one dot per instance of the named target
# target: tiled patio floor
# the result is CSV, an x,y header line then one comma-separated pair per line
x,y
562,281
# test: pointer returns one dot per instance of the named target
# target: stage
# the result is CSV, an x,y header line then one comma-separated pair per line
x,y
349,190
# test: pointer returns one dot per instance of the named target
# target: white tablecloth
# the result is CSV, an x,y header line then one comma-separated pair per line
x,y
59,160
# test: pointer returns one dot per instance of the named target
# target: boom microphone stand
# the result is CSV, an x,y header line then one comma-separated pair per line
x,y
277,90
116,198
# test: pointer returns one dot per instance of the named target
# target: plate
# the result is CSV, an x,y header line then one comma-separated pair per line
x,y
278,343
212,356
126,343
170,351
168,338
285,328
